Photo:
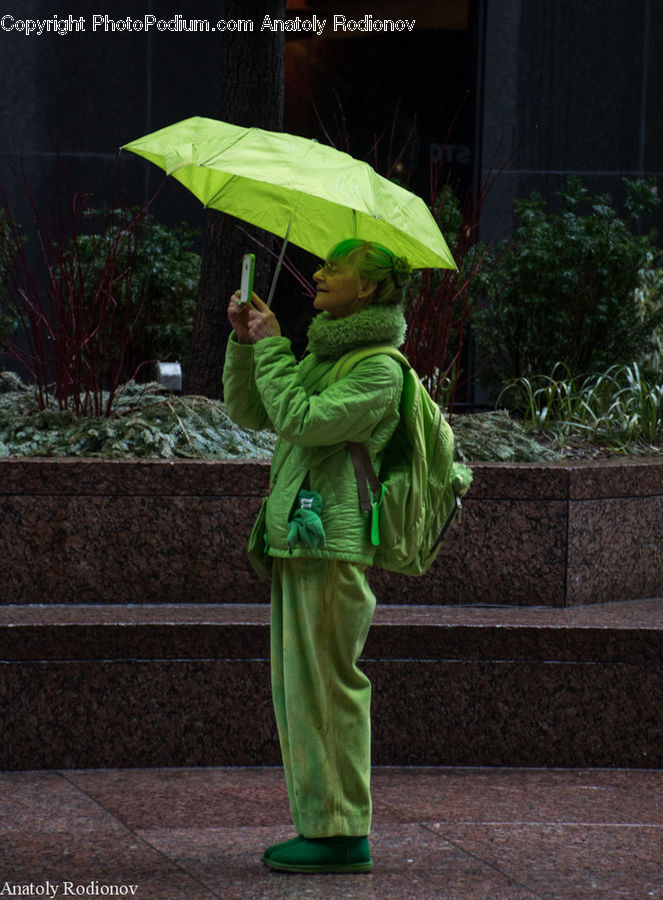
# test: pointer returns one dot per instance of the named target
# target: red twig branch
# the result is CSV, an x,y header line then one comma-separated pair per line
x,y
76,316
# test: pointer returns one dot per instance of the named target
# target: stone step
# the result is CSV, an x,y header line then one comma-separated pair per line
x,y
188,685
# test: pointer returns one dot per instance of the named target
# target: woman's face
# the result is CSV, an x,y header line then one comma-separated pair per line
x,y
340,292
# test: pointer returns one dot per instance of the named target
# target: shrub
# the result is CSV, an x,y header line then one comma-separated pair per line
x,y
163,286
441,301
74,332
563,290
146,422
92,308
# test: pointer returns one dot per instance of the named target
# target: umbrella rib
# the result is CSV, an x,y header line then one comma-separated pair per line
x,y
221,189
238,139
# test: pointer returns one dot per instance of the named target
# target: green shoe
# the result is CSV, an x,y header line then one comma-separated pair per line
x,y
268,852
334,854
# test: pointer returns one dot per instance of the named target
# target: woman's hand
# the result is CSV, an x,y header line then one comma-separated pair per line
x,y
262,321
238,316
253,321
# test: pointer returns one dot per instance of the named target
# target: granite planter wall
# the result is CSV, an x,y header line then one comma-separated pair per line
x,y
99,531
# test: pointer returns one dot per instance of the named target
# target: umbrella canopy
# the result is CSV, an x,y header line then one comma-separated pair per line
x,y
296,188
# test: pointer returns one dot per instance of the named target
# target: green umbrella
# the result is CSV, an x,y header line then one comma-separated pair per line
x,y
296,188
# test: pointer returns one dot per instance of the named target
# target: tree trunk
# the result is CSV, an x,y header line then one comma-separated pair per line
x,y
252,88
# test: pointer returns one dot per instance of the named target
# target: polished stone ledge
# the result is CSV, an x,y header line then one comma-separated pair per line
x,y
189,685
154,531
617,632
131,477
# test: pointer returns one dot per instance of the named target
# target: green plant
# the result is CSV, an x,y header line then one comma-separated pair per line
x,y
619,408
165,274
564,287
649,303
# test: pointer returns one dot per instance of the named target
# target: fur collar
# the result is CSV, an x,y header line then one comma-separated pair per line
x,y
330,338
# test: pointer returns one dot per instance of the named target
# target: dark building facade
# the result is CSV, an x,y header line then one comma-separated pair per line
x,y
568,88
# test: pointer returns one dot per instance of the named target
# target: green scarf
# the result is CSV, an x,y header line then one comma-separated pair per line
x,y
330,338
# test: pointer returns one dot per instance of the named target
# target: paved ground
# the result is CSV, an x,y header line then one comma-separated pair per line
x,y
197,834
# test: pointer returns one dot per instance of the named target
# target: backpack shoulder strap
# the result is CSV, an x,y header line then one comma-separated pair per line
x,y
350,359
369,500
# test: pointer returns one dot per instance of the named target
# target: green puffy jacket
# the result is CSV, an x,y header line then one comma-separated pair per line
x,y
265,387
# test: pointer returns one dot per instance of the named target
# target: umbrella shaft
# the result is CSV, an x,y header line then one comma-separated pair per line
x,y
279,264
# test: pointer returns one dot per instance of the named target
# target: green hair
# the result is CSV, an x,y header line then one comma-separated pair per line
x,y
377,263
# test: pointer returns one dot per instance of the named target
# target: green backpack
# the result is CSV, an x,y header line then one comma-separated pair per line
x,y
417,494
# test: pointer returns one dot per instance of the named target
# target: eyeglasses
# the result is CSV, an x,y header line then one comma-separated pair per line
x,y
327,268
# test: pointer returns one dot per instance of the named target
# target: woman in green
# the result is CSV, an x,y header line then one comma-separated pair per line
x,y
319,539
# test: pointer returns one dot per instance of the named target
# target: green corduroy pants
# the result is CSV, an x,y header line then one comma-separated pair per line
x,y
320,615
